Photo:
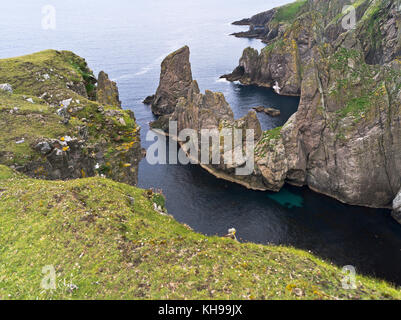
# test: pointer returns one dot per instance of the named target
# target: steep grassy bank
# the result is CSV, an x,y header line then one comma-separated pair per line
x,y
106,241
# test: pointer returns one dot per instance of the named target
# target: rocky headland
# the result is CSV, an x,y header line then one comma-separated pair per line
x,y
59,122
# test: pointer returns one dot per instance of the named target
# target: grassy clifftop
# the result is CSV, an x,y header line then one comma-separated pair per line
x,y
53,127
106,241
60,74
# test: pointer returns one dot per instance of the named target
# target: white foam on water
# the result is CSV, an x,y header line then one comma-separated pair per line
x,y
222,80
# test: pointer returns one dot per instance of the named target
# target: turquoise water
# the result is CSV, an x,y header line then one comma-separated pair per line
x,y
287,199
128,39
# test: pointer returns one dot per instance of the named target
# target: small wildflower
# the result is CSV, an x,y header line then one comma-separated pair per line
x,y
290,287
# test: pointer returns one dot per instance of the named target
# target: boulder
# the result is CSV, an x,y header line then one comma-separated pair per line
x,y
64,114
269,111
44,147
66,103
6,87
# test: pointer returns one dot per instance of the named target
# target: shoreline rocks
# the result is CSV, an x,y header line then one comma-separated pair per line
x,y
149,100
236,75
257,25
269,111
211,111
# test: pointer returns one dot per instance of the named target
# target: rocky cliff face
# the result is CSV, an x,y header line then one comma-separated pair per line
x,y
345,139
211,111
52,127
175,80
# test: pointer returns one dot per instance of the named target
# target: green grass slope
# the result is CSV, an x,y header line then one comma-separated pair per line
x,y
57,73
105,241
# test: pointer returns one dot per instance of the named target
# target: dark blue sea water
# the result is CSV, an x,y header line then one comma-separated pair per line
x,y
128,39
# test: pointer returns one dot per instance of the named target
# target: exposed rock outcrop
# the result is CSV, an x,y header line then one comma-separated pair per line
x,y
269,111
258,25
278,63
345,139
6,87
175,81
107,91
201,111
149,100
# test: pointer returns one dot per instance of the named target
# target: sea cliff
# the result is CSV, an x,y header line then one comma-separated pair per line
x,y
345,139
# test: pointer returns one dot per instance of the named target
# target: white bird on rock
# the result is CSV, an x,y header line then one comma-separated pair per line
x,y
277,88
231,234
